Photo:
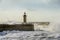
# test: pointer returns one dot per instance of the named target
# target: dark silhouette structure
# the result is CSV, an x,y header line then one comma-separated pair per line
x,y
22,27
24,17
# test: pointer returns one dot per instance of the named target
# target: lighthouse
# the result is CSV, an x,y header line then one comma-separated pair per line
x,y
25,26
24,18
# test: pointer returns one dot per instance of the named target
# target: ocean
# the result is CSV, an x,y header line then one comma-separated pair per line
x,y
29,35
44,33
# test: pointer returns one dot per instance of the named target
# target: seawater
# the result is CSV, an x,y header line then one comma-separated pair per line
x,y
29,35
50,32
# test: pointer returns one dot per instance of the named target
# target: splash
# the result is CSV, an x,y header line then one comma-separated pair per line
x,y
52,27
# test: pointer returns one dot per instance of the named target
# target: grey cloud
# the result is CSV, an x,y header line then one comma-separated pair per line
x,y
55,2
0,0
28,3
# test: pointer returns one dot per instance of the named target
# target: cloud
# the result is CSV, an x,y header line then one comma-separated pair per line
x,y
30,4
45,9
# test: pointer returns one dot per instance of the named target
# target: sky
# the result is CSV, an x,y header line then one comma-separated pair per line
x,y
36,10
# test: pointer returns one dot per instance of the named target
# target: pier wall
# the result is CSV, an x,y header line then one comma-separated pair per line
x,y
21,27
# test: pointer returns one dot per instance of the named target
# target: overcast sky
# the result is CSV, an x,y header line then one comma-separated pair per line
x,y
37,10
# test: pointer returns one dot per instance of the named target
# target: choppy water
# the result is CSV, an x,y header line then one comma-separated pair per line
x,y
33,35
29,35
